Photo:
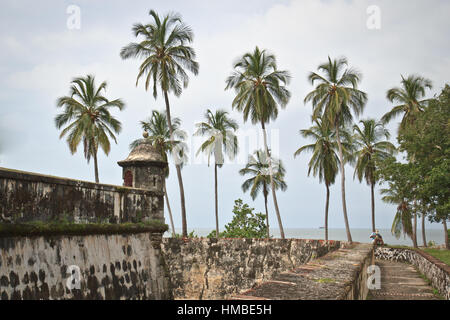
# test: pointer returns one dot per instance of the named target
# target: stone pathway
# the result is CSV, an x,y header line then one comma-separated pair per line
x,y
400,281
329,277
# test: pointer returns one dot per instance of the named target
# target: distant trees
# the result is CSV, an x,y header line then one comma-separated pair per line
x,y
88,119
409,99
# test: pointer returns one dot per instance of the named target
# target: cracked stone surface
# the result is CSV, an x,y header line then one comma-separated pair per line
x,y
337,275
203,268
401,281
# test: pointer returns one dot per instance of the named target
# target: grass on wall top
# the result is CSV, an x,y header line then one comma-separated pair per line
x,y
39,228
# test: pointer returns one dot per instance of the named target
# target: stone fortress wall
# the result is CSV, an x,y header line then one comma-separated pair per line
x,y
26,197
110,263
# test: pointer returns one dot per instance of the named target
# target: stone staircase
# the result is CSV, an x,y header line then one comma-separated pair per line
x,y
401,281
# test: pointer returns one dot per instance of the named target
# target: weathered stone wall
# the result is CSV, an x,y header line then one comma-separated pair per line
x,y
111,267
28,197
358,288
436,271
214,269
338,275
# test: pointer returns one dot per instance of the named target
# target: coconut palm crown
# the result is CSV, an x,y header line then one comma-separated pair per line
x,y
324,161
219,130
257,168
88,119
408,99
165,53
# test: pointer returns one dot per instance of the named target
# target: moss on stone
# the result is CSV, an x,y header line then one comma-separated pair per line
x,y
39,228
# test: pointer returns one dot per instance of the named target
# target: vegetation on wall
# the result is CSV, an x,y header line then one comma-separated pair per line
x,y
58,228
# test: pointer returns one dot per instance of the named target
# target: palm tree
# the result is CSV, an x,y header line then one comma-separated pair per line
x,y
408,99
258,167
166,55
86,111
333,99
324,161
158,134
371,146
219,130
260,90
402,220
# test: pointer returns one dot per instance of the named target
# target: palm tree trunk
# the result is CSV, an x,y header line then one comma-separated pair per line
x,y
95,162
272,184
424,237
172,226
444,223
177,166
217,204
344,204
267,211
415,230
326,211
372,187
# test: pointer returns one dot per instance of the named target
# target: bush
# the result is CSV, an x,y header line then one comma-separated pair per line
x,y
245,223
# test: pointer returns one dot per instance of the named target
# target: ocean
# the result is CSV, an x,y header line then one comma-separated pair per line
x,y
358,235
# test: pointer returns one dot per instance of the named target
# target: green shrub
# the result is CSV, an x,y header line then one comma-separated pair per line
x,y
245,223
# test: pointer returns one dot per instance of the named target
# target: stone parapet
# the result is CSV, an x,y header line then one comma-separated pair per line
x,y
202,268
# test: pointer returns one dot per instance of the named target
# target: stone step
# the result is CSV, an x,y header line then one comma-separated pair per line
x,y
400,281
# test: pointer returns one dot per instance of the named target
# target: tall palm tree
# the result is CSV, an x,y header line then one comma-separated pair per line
x,y
324,161
258,168
260,89
219,130
86,113
334,98
157,133
371,147
410,102
408,99
166,55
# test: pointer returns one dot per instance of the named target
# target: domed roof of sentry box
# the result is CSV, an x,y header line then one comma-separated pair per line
x,y
143,153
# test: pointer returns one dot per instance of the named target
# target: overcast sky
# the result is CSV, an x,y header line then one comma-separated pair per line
x,y
40,55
